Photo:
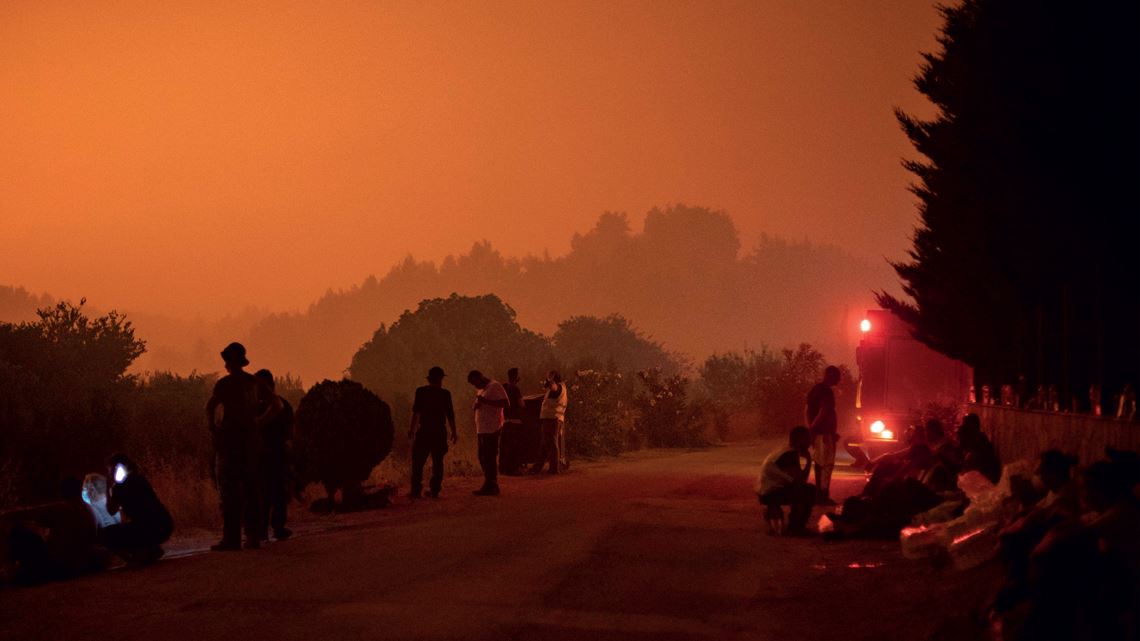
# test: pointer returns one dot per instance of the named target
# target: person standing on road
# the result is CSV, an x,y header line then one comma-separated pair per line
x,y
823,425
432,414
509,447
552,418
490,401
237,442
275,435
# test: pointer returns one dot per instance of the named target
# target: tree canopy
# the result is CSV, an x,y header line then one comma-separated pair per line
x,y
1025,260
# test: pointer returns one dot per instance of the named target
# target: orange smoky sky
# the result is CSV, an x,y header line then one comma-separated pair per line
x,y
197,158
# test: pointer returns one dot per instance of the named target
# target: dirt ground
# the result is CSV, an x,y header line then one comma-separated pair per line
x,y
656,545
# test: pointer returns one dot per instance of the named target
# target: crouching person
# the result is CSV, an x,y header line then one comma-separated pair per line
x,y
53,541
783,481
146,524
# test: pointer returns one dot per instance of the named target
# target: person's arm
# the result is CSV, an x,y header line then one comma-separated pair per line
x,y
451,420
415,424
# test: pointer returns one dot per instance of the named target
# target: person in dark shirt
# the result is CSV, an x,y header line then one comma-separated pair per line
x,y
823,424
275,435
977,451
510,449
237,442
432,414
146,523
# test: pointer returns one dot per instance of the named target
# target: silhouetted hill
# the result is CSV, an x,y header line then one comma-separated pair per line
x,y
682,279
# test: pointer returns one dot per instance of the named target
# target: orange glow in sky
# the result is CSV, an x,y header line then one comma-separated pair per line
x,y
199,158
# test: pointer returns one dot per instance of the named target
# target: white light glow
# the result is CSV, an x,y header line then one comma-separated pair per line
x,y
877,427
864,325
120,473
887,434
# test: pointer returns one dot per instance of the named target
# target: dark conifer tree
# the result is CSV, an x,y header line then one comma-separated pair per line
x,y
1025,259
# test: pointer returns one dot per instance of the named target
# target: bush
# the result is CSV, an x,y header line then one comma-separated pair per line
x,y
342,432
599,418
666,418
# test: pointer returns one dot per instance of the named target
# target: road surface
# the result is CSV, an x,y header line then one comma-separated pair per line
x,y
657,545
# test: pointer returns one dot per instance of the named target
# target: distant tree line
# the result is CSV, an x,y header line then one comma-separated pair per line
x,y
683,277
67,400
1027,261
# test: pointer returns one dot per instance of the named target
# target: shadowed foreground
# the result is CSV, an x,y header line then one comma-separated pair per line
x,y
656,546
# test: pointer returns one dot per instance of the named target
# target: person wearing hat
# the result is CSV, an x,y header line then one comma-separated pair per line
x,y
237,442
432,414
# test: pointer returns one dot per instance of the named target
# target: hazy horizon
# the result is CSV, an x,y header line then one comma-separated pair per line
x,y
198,162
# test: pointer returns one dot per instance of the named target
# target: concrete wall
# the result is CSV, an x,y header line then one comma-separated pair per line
x,y
1021,434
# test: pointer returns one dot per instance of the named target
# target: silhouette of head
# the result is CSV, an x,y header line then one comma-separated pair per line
x,y
234,355
435,375
1106,484
96,487
513,375
799,438
831,375
1055,469
554,377
934,431
476,378
266,377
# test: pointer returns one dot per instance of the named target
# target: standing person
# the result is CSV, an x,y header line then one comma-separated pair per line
x,y
824,425
552,417
145,522
237,444
432,414
510,449
784,481
275,435
490,401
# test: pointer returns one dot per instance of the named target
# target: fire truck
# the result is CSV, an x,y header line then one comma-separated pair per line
x,y
899,377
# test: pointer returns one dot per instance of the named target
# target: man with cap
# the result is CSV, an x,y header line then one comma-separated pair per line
x,y
432,414
237,442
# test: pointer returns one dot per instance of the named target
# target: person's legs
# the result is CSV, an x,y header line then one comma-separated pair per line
x,y
488,460
823,456
554,455
276,496
547,430
420,450
801,498
229,492
252,514
437,453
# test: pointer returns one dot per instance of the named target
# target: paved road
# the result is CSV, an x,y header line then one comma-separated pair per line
x,y
654,546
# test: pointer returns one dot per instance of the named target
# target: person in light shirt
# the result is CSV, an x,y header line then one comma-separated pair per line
x,y
490,401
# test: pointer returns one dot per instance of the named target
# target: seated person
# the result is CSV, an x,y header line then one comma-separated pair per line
x,y
917,485
95,495
1018,540
976,450
1115,523
783,481
943,448
146,524
66,549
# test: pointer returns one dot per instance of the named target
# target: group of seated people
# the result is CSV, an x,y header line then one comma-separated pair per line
x,y
101,517
902,484
1071,551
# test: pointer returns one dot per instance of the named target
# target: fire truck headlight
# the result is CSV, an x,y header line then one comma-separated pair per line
x,y
864,325
877,427
887,434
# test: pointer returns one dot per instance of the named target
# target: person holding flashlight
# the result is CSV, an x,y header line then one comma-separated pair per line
x,y
145,524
